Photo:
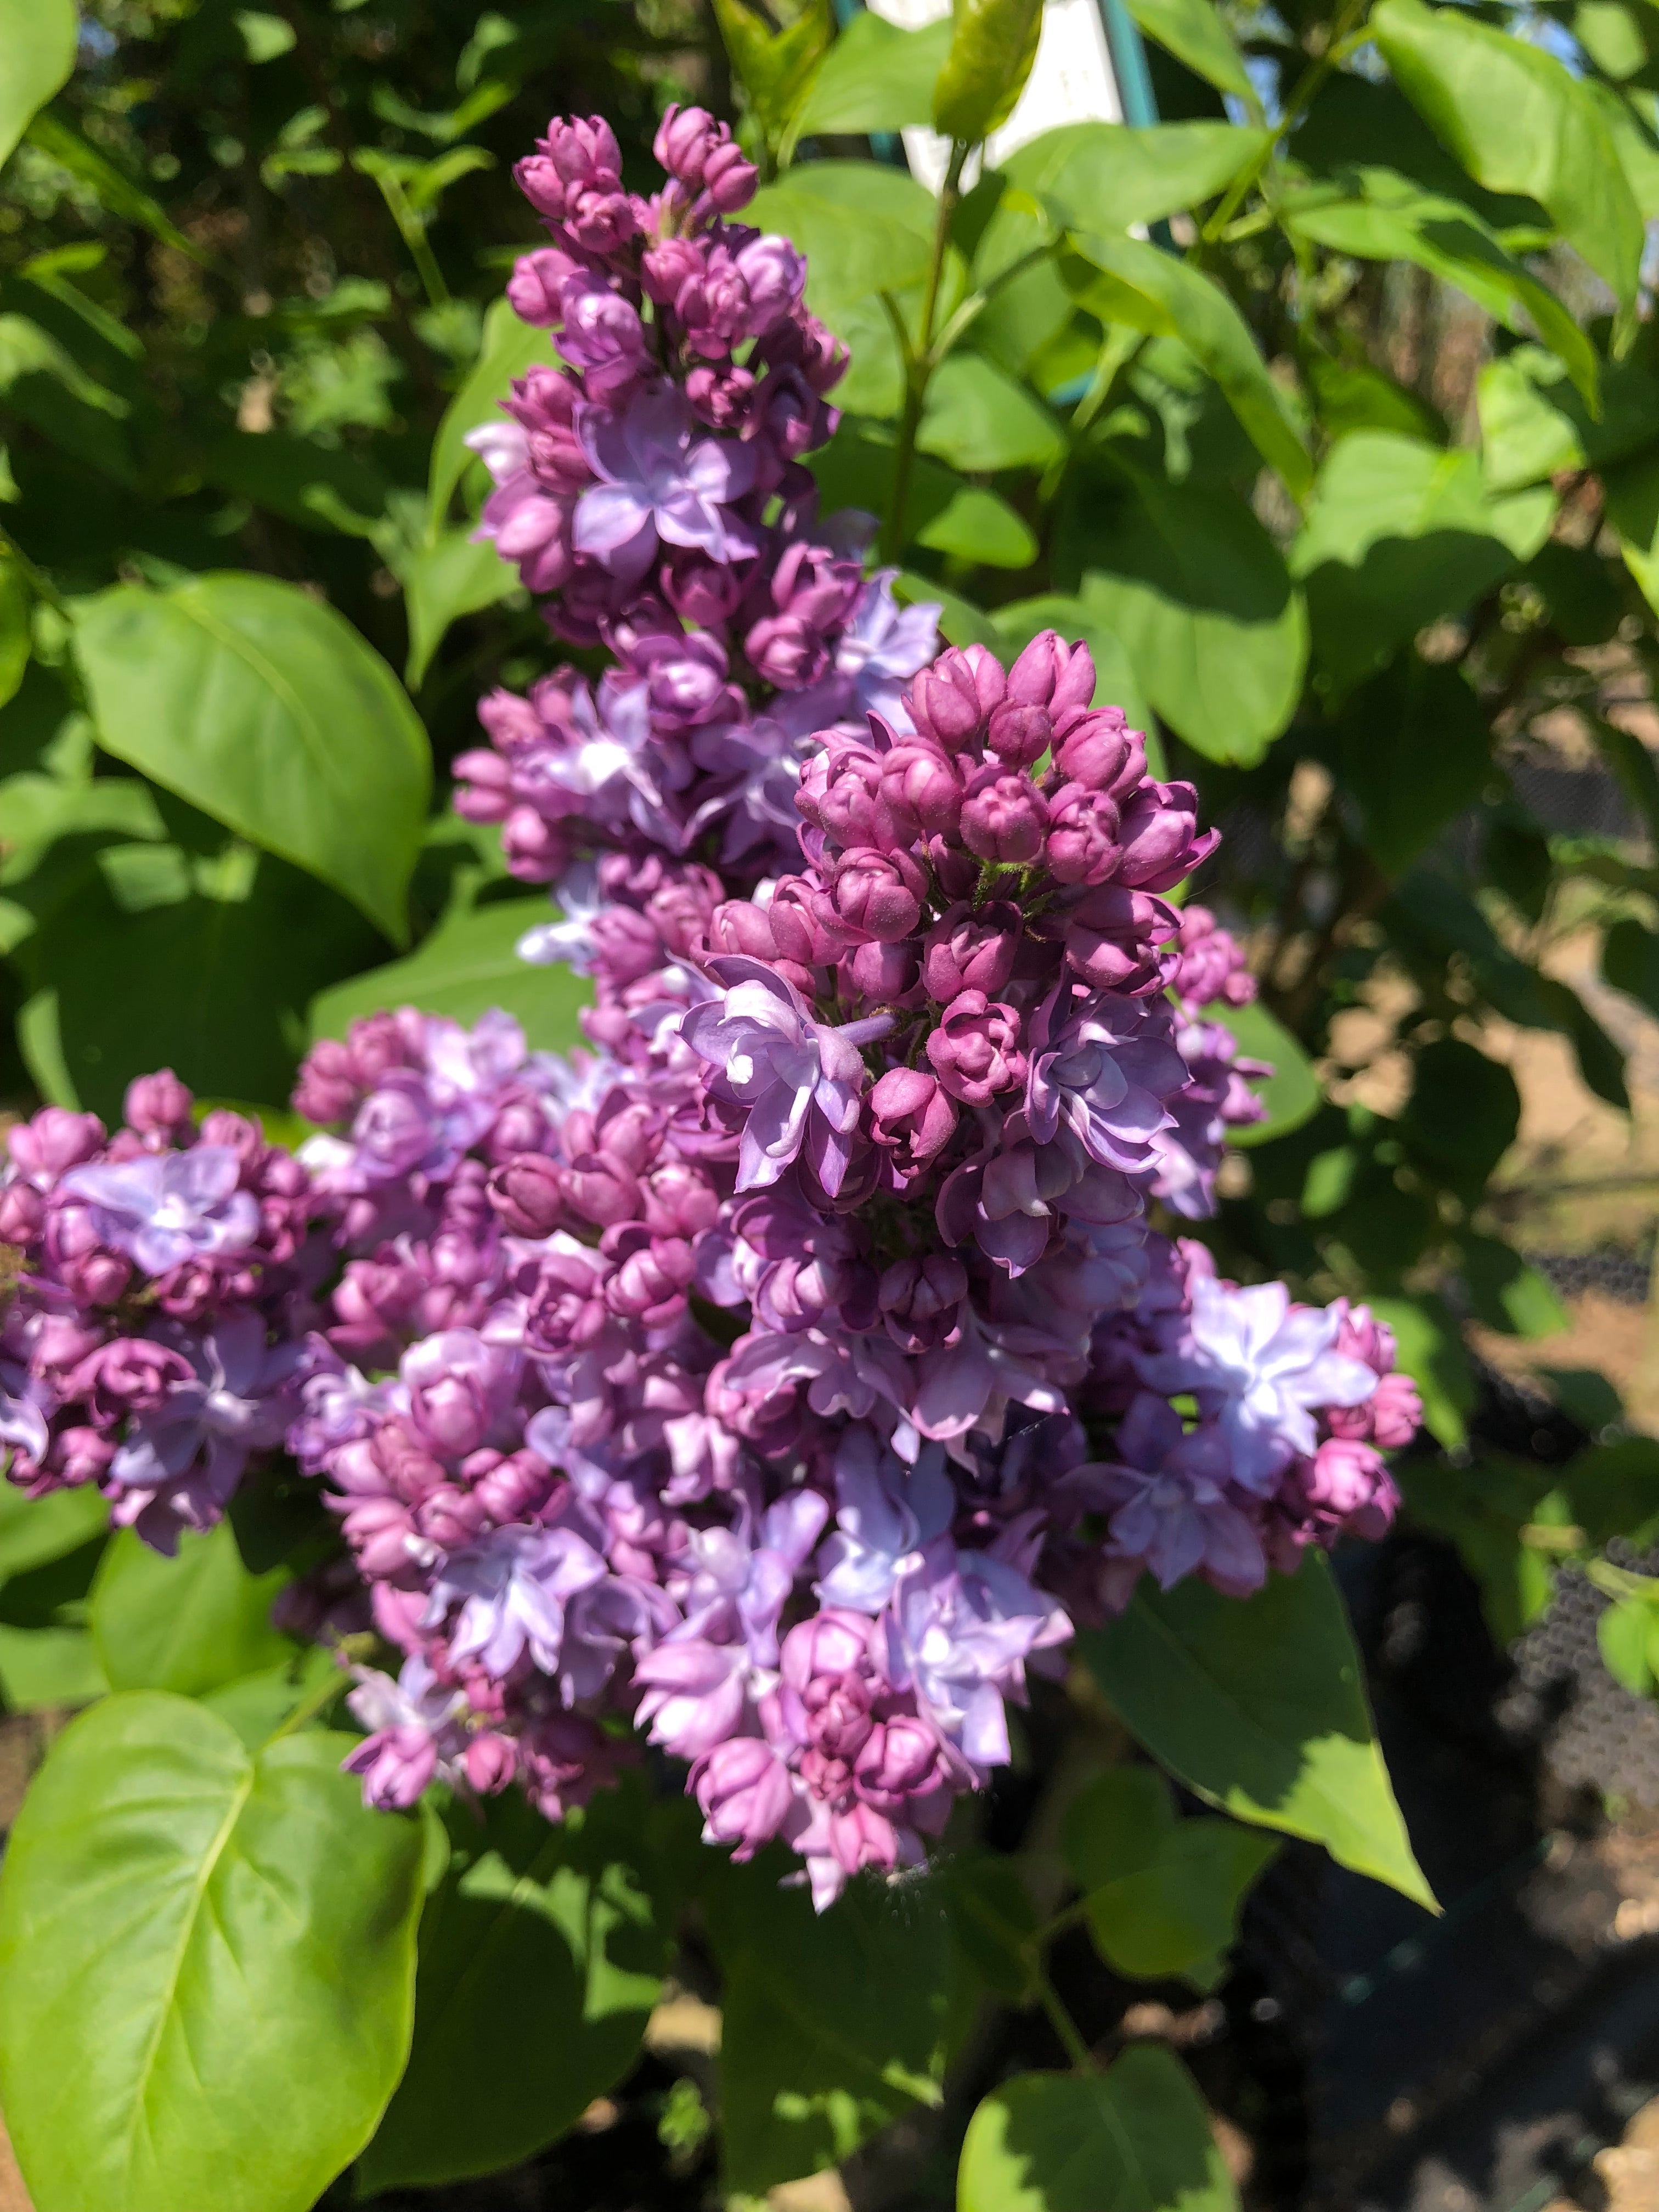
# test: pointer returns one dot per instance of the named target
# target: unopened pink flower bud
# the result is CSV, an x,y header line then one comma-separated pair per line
x,y
921,790
911,1118
490,1762
889,974
527,1195
952,699
1004,818
1101,752
1020,736
1053,675
968,951
878,893
806,927
533,289
158,1105
745,1791
974,1051
1082,845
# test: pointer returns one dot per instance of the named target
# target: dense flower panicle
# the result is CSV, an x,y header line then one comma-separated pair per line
x,y
654,483
816,1369
163,1284
783,1377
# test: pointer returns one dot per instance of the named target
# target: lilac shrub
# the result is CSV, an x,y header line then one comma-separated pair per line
x,y
787,1374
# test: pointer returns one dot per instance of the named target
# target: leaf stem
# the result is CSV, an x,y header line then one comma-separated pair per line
x,y
1070,2035
919,362
1312,77
309,1707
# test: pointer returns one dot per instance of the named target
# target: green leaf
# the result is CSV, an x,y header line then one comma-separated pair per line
x,y
992,45
1508,1294
209,1958
775,66
1622,1633
1415,751
1518,121
945,514
1259,1706
865,230
1613,1490
834,2022
875,77
1463,1112
1352,395
1291,1094
1148,289
1398,532
979,419
33,1531
1092,176
993,1921
187,1624
15,641
507,350
130,975
1482,1510
114,190
37,38
41,1668
1374,214
273,715
1194,34
1632,764
1136,2139
468,965
1162,1894
1199,595
1429,1347
441,583
1630,958
1533,425
541,1957
1631,492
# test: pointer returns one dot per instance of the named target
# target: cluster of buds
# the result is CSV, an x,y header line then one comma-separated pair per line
x,y
655,482
160,1293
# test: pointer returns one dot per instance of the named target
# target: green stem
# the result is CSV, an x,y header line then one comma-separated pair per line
x,y
921,362
1312,77
307,1711
1064,2026
39,582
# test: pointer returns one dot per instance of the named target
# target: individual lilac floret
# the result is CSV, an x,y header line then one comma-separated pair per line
x,y
511,1592
801,1081
658,481
416,1729
168,1207
1261,1368
1167,1497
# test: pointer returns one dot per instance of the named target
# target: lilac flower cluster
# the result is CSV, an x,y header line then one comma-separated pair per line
x,y
656,483
786,1375
812,1369
160,1289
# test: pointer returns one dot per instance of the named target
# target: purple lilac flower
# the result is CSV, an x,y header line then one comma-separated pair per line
x,y
168,1207
658,481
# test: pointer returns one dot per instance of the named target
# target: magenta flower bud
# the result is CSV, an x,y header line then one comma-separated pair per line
x,y
911,1118
450,1517
583,150
902,1760
82,1455
786,650
889,974
729,178
1111,936
533,289
527,1196
1020,736
920,790
1161,839
535,849
22,1213
666,268
490,1761
699,591
840,790
920,1299
1101,752
952,699
1053,675
54,1140
541,183
158,1105
974,1051
600,1191
878,893
832,1643
684,138
509,1487
806,927
968,952
382,1534
1082,845
396,1765
739,926
743,1789
1004,818
483,786
132,1375
721,395
651,1282
679,1200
